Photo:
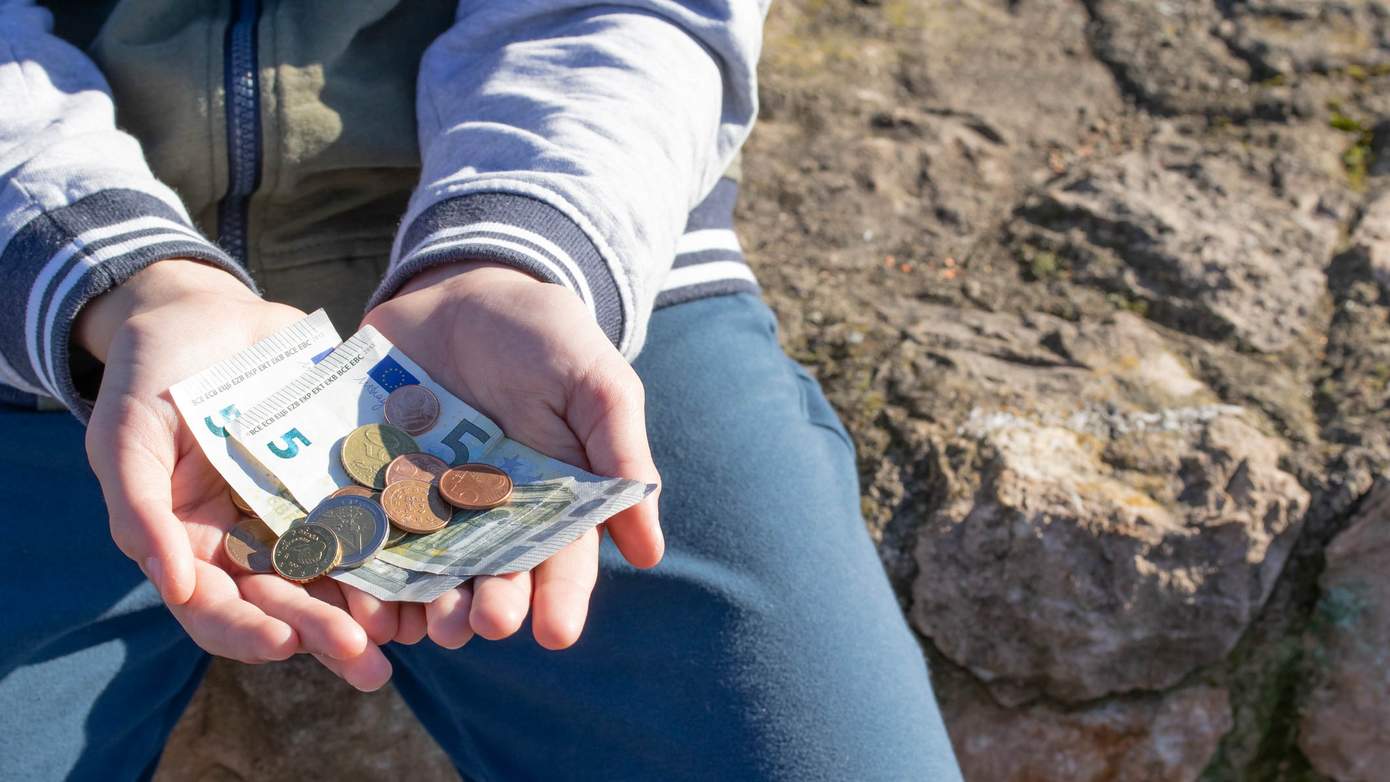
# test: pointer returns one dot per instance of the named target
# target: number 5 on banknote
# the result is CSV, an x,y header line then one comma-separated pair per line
x,y
454,439
287,448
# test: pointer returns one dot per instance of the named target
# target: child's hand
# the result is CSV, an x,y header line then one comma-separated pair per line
x,y
529,356
169,508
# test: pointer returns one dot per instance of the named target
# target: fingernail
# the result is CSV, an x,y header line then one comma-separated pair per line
x,y
155,572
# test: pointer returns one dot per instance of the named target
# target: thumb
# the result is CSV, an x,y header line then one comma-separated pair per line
x,y
611,422
137,486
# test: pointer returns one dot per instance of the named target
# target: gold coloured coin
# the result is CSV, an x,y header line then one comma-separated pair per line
x,y
415,506
248,545
396,536
475,486
413,408
305,552
367,450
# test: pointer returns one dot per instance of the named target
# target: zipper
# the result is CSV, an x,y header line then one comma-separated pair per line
x,y
243,109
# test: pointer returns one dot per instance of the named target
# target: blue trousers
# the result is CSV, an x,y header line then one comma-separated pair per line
x,y
767,645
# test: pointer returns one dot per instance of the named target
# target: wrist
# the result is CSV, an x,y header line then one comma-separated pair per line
x,y
159,284
466,273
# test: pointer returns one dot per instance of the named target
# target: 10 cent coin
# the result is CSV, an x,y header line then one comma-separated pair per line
x,y
475,486
305,552
368,449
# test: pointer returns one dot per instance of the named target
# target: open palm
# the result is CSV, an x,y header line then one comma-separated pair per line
x,y
169,508
530,356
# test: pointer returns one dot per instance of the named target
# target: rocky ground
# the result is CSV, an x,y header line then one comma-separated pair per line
x,y
1102,288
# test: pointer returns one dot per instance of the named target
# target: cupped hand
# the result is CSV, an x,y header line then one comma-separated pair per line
x,y
168,506
531,357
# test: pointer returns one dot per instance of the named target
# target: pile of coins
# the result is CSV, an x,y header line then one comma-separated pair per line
x,y
400,490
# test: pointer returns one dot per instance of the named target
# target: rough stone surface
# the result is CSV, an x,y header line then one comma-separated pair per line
x,y
1371,243
1139,739
1190,234
294,720
1111,525
1346,717
1100,289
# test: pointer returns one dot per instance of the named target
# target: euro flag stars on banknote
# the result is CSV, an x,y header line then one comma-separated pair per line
x,y
287,440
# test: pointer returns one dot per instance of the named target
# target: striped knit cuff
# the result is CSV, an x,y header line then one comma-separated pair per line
x,y
64,258
515,230
709,260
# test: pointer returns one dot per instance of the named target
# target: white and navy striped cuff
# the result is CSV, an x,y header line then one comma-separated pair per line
x,y
65,257
531,235
515,230
709,260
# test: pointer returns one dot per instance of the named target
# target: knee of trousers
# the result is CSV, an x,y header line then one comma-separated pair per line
x,y
760,498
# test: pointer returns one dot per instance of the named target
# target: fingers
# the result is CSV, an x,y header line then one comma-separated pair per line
x,y
412,626
447,617
330,634
368,671
499,604
222,623
563,585
378,618
137,488
323,625
614,431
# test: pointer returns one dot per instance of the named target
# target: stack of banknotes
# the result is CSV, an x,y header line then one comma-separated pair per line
x,y
273,417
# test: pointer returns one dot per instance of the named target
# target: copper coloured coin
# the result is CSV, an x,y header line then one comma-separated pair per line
x,y
354,491
415,467
475,486
248,545
415,506
241,504
413,408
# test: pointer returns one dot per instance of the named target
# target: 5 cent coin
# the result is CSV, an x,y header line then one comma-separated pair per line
x,y
475,486
368,449
248,545
415,506
413,408
305,552
415,467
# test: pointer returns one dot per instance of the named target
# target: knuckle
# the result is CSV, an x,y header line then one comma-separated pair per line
x,y
125,539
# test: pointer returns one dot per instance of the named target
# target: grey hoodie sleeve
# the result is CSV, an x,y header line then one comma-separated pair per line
x,y
572,140
80,211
